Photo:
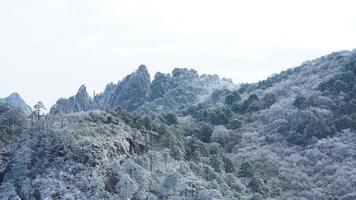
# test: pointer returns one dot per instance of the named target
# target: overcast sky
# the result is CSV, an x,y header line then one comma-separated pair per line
x,y
48,48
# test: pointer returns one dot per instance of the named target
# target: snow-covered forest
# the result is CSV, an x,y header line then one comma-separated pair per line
x,y
189,136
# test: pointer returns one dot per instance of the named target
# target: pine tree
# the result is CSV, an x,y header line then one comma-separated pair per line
x,y
38,109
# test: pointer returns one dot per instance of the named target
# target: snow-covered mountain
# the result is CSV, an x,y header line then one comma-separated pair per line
x,y
14,99
195,137
136,92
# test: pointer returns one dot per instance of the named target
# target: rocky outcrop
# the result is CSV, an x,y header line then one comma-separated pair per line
x,y
80,102
161,84
136,90
103,98
15,100
4,108
186,73
132,91
171,93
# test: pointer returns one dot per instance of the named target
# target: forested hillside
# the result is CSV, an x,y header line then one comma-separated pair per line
x,y
190,136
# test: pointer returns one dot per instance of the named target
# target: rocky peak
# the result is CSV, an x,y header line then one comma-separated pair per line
x,y
185,73
160,75
105,96
141,78
143,69
82,90
14,95
80,102
136,89
161,83
82,99
133,90
14,99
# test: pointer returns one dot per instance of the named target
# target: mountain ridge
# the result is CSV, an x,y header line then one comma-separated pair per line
x,y
195,137
135,90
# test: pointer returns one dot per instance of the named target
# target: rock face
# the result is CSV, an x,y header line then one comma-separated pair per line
x,y
137,92
161,84
173,93
132,91
15,100
190,74
80,102
4,108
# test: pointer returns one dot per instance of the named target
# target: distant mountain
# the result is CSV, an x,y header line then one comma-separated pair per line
x,y
15,100
136,92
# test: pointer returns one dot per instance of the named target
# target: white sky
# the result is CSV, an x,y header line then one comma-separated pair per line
x,y
48,48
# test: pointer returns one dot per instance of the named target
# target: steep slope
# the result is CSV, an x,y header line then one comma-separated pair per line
x,y
14,99
117,155
68,157
12,122
297,128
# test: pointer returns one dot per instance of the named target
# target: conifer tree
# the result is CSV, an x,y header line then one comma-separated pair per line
x,y
39,109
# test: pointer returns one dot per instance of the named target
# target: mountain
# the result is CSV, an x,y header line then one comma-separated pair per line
x,y
297,129
190,136
136,92
132,91
79,102
14,99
